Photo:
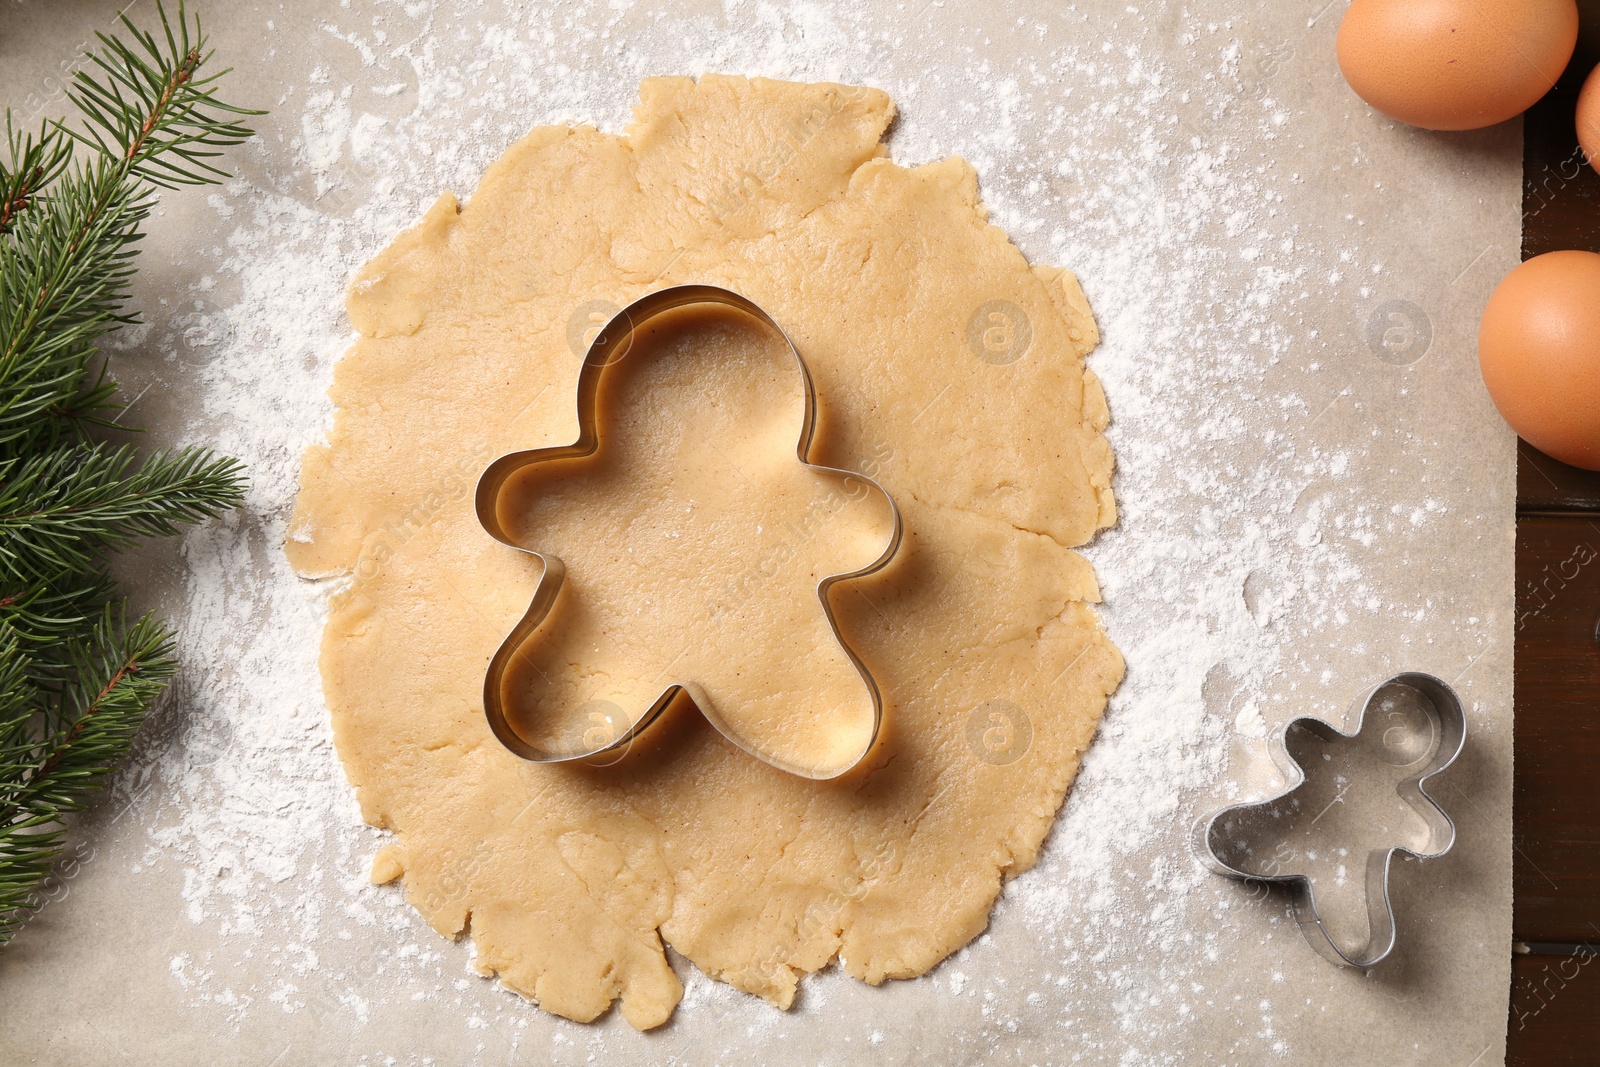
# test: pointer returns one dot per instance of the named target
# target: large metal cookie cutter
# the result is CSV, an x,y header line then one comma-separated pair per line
x,y
1444,721
609,346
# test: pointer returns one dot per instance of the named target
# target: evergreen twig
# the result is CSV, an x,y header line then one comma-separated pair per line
x,y
75,678
59,510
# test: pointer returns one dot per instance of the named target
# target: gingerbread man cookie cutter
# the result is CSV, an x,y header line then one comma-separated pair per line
x,y
609,346
1442,733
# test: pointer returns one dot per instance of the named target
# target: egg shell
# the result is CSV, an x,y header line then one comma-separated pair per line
x,y
1455,64
1539,349
1589,118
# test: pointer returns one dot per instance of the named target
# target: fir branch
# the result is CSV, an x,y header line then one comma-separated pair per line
x,y
116,675
54,755
75,681
88,407
18,698
33,164
58,511
155,103
153,121
64,279
40,612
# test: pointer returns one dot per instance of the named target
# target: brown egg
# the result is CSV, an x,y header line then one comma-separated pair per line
x,y
1589,118
1455,64
1539,347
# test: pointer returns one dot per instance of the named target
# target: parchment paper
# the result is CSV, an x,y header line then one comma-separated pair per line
x,y
1289,288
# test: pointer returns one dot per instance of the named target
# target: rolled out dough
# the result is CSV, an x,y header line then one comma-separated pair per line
x,y
947,368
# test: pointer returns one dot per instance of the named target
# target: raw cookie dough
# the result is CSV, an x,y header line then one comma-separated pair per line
x,y
948,368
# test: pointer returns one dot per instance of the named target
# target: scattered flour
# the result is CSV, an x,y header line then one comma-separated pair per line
x,y
1169,185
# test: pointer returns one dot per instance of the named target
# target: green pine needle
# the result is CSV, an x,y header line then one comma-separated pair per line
x,y
60,510
56,749
34,162
75,678
64,273
39,613
154,103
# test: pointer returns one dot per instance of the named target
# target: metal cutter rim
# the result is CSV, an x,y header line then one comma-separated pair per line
x,y
608,347
1451,722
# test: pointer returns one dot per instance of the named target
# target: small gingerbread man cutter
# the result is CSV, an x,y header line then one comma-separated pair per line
x,y
607,349
1437,738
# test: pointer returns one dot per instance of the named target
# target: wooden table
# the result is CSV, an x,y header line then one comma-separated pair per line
x,y
1555,992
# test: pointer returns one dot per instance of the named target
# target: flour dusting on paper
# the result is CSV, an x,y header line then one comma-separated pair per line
x,y
1238,559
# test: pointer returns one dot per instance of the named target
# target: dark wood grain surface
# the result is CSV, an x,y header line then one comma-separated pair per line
x,y
1560,194
1557,789
1555,991
1548,486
